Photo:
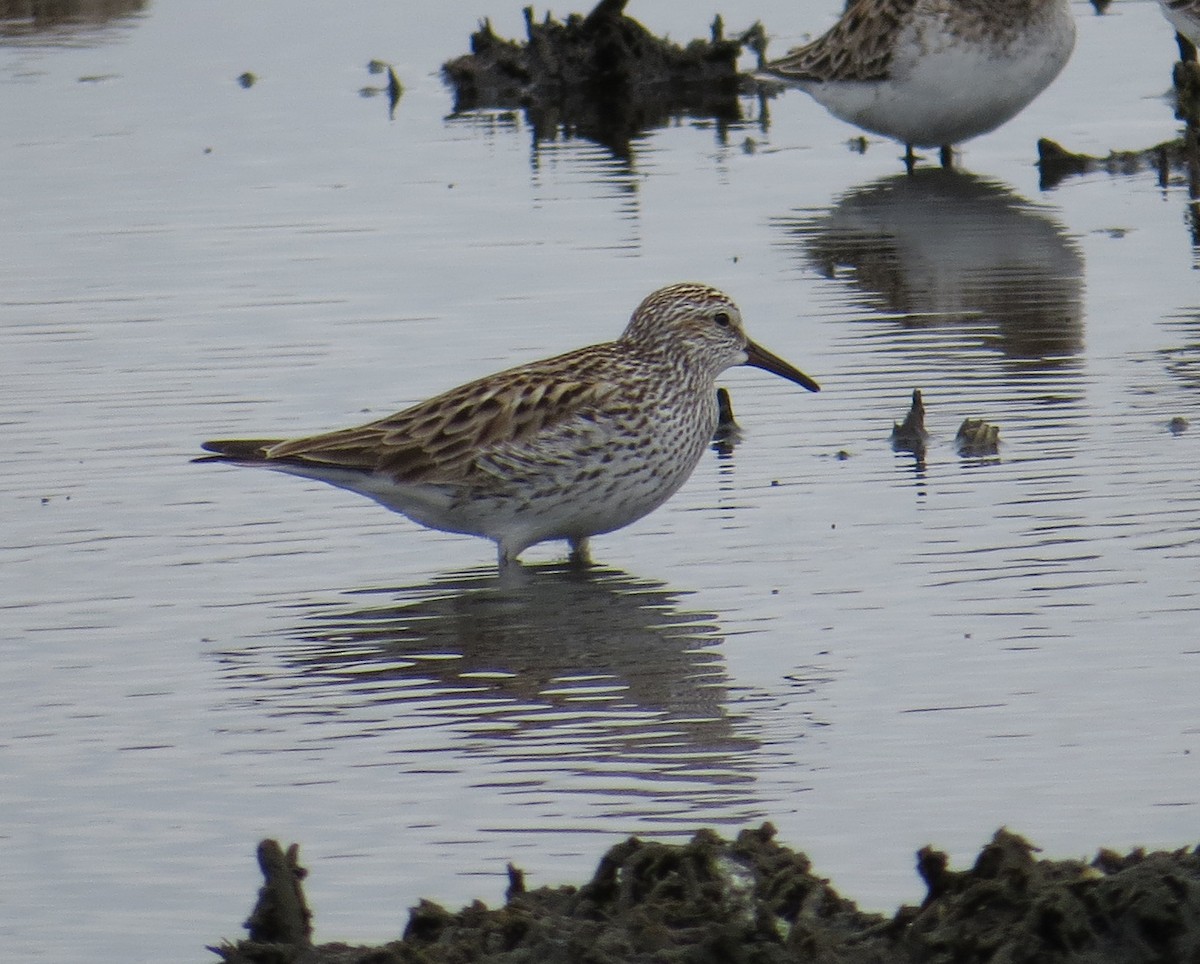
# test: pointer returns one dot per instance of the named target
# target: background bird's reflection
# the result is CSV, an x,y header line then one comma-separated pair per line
x,y
63,21
593,674
951,248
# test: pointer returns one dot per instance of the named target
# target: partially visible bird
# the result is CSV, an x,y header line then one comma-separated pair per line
x,y
1184,16
932,73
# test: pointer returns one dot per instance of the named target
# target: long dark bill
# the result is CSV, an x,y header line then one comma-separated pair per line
x,y
759,357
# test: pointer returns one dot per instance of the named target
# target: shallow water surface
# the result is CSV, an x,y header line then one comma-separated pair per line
x,y
872,649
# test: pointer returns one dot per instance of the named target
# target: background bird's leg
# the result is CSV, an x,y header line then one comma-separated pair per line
x,y
580,556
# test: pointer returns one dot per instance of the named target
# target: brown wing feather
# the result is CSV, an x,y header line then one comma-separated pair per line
x,y
440,440
857,47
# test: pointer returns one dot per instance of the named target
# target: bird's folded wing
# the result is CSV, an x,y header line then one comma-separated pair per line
x,y
858,47
444,440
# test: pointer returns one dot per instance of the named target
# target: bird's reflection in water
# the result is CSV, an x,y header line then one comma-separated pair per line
x,y
949,247
591,673
65,22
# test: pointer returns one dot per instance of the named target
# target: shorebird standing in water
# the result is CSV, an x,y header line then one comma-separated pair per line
x,y
564,448
1184,16
932,73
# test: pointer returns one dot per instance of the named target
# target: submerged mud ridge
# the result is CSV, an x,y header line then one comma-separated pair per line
x,y
1056,163
755,901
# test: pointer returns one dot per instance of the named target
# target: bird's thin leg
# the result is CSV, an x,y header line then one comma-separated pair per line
x,y
910,158
581,556
946,156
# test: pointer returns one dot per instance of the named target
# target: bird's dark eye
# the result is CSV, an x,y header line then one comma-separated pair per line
x,y
722,318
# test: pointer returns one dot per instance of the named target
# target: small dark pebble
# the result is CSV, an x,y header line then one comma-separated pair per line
x,y
1056,163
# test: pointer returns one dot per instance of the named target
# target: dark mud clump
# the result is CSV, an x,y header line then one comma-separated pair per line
x,y
728,433
976,438
754,901
603,76
910,435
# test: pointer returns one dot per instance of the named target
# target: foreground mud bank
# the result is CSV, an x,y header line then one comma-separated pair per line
x,y
755,900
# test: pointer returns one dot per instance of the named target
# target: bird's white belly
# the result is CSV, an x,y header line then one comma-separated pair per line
x,y
586,497
591,478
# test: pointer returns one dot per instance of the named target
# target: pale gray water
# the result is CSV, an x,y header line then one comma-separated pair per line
x,y
872,653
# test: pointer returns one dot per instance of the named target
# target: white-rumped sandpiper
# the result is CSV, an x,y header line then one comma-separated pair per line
x,y
564,448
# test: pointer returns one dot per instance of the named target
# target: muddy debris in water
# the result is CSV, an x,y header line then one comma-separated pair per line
x,y
755,901
281,914
910,435
1056,163
977,438
394,89
603,76
728,433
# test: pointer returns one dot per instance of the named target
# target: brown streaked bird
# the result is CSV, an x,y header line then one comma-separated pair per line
x,y
932,73
564,448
